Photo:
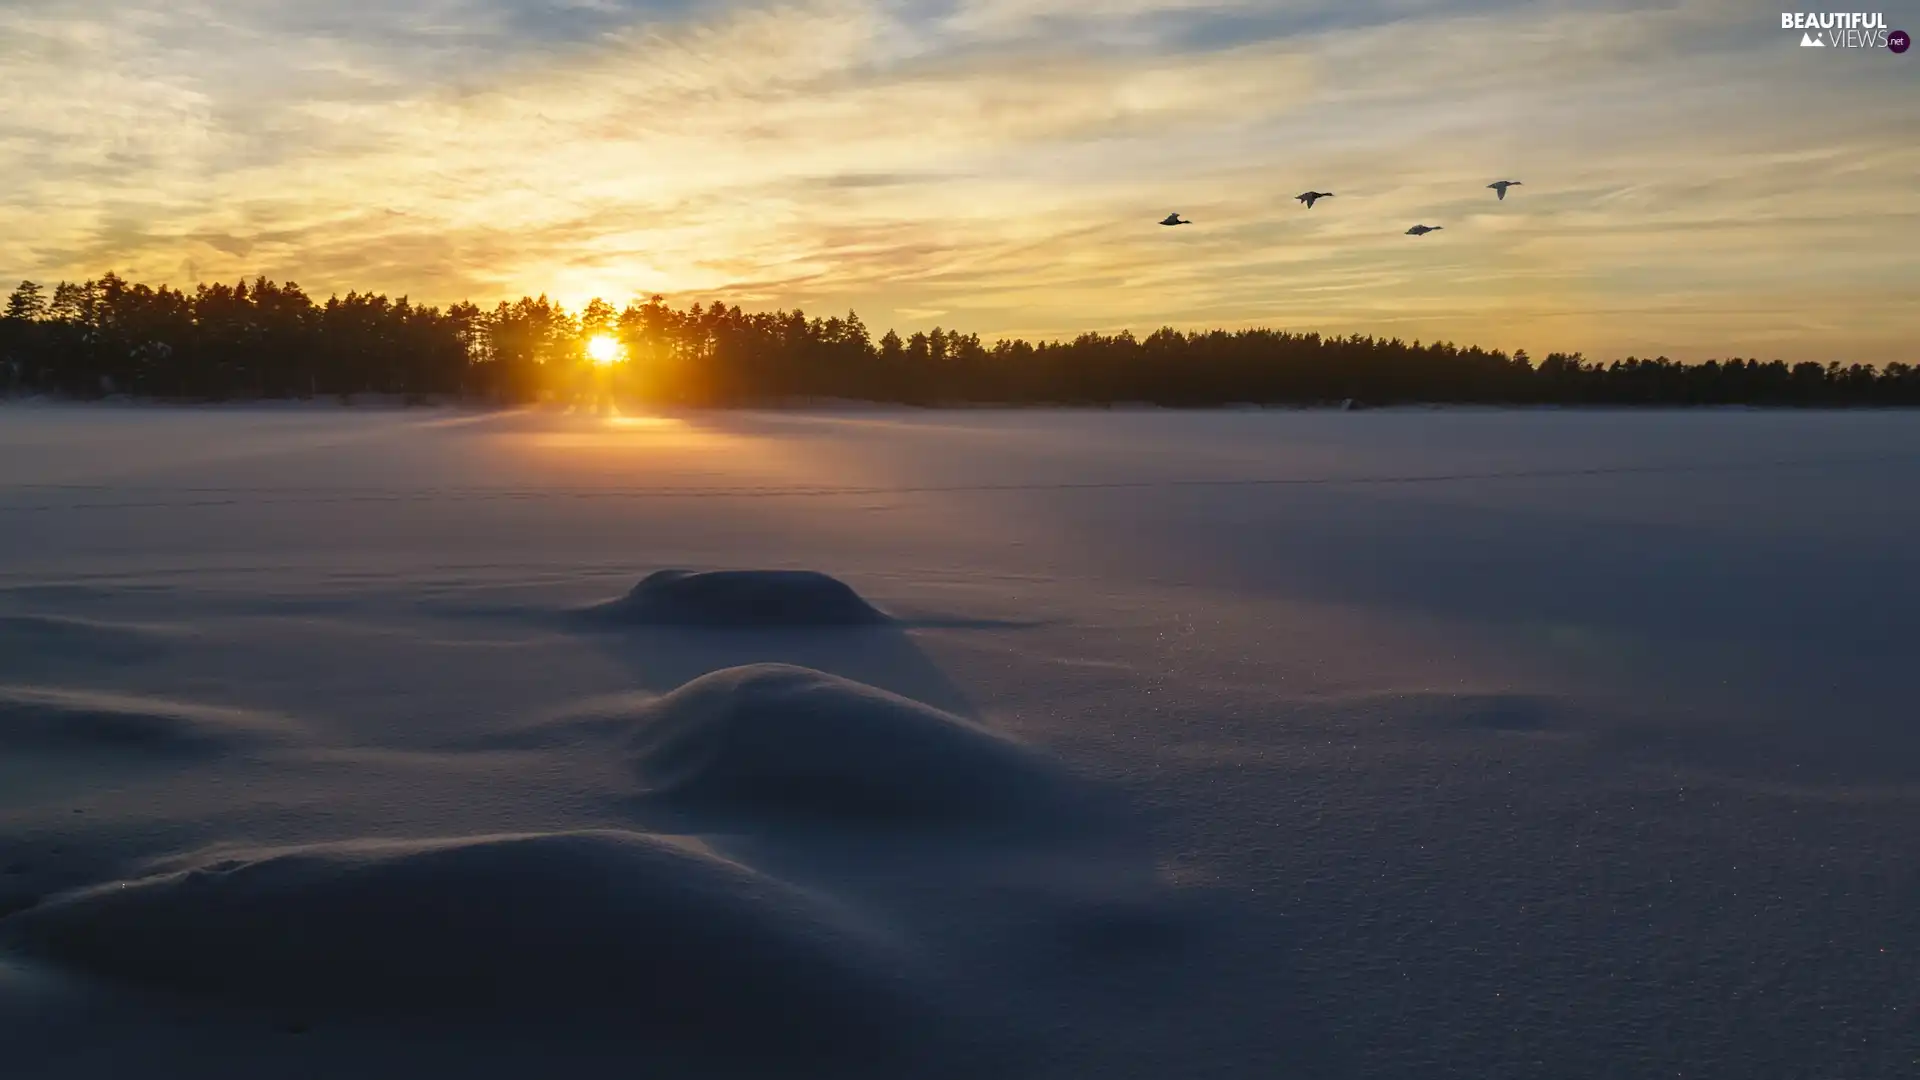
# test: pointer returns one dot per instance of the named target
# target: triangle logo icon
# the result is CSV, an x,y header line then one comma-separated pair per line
x,y
1808,41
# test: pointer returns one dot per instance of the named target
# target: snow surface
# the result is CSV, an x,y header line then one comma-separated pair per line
x,y
1398,743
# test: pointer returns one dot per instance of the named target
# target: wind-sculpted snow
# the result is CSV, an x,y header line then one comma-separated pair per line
x,y
1399,744
779,743
683,947
88,722
779,740
31,642
740,598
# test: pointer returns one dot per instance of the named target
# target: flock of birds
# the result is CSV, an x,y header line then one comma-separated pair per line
x,y
1308,198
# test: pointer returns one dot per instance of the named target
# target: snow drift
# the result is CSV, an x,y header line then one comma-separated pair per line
x,y
45,719
673,942
773,738
1437,743
33,641
740,598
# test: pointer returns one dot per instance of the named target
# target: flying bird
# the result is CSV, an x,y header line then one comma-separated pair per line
x,y
1422,230
1174,219
1500,187
1309,196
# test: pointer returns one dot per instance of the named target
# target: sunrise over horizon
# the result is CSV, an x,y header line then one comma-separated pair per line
x,y
1695,184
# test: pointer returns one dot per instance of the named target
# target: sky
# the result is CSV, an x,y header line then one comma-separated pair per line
x,y
1694,182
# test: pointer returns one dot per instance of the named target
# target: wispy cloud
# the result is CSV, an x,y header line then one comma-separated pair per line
x,y
1694,182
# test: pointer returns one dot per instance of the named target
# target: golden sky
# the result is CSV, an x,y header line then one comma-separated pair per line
x,y
1694,182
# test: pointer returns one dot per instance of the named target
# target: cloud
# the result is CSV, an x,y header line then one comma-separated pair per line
x,y
997,161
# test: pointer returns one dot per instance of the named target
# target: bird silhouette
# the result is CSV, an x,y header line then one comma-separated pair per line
x,y
1174,219
1309,196
1500,187
1422,230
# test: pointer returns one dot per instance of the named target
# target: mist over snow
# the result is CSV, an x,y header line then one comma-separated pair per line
x,y
1045,744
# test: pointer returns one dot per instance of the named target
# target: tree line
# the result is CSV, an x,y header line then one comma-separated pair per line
x,y
263,339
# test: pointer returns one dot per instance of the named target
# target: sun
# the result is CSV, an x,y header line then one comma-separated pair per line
x,y
603,350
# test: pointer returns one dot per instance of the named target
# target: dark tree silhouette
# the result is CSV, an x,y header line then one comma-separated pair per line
x,y
262,339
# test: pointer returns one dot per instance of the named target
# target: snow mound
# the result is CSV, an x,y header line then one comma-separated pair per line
x,y
34,718
794,741
698,953
741,598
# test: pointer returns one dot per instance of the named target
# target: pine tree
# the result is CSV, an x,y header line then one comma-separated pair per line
x,y
27,304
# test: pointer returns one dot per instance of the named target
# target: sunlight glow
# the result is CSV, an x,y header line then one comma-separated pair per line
x,y
603,350
864,154
655,423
